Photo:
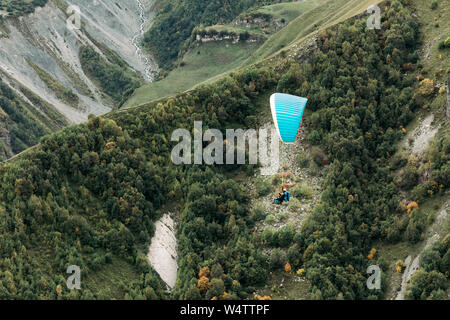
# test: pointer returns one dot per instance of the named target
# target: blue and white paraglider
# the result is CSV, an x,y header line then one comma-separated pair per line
x,y
287,113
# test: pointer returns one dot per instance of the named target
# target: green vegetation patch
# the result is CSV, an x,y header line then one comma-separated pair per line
x,y
199,64
61,92
114,77
23,123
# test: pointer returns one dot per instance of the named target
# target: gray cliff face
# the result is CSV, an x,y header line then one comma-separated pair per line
x,y
44,39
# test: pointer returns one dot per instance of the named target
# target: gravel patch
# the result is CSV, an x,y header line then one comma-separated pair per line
x,y
422,135
162,253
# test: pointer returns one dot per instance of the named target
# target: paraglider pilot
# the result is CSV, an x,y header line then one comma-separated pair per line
x,y
282,196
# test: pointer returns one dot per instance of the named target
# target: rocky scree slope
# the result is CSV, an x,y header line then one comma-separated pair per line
x,y
42,39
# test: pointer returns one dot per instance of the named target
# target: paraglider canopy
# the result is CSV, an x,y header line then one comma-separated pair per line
x,y
287,112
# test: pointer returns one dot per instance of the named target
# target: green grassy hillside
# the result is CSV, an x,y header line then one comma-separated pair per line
x,y
435,30
315,15
198,64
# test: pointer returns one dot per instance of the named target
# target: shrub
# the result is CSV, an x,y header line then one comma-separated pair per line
x,y
302,159
431,259
420,192
314,137
444,44
285,236
400,266
426,87
203,284
408,178
258,212
216,289
281,216
204,272
372,253
276,180
427,285
294,204
267,234
302,191
287,267
108,258
445,263
301,272
277,259
415,227
399,160
314,168
115,79
412,206
270,218
318,155
434,5
294,254
263,186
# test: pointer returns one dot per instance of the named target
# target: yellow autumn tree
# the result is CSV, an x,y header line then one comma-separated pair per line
x,y
301,272
109,146
399,266
204,272
372,254
426,87
59,290
446,240
287,267
203,284
412,206
308,253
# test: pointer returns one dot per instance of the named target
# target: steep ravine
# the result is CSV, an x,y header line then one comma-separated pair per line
x,y
151,68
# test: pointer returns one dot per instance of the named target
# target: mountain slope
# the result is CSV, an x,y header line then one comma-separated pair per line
x,y
95,189
39,55
21,124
